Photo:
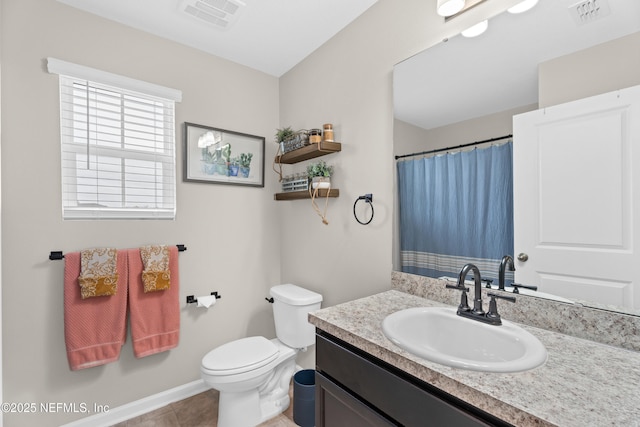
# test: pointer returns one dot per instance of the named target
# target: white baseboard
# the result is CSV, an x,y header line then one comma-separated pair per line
x,y
142,406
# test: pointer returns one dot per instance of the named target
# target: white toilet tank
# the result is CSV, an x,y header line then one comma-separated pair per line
x,y
291,306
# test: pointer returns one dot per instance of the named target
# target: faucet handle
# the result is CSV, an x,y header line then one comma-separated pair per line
x,y
493,306
458,287
464,302
515,287
505,297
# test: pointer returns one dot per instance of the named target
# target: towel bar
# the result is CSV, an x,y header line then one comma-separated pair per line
x,y
57,255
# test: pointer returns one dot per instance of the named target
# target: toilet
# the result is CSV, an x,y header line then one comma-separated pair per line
x,y
253,374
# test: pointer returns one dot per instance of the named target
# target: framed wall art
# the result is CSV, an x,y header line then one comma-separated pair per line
x,y
220,156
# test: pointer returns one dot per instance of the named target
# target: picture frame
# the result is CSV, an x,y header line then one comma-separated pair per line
x,y
220,156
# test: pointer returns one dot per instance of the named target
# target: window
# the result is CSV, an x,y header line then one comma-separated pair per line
x,y
118,145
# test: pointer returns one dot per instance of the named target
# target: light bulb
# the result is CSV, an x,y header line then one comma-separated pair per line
x,y
449,7
476,30
523,6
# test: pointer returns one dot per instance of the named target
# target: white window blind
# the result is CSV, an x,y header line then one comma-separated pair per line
x,y
118,147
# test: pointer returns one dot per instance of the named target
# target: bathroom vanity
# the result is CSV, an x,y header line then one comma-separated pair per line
x,y
350,382
361,375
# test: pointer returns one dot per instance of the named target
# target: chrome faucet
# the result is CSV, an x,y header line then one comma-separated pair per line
x,y
506,261
477,313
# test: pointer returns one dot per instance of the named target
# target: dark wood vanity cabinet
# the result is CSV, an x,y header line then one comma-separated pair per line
x,y
354,388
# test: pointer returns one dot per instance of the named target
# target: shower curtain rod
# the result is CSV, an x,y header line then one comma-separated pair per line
x,y
453,148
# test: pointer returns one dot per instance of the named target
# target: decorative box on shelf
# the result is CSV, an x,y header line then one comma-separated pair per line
x,y
295,184
299,140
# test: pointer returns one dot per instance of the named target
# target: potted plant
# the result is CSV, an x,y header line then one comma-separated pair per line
x,y
284,134
209,143
222,165
209,159
234,166
320,174
290,140
244,161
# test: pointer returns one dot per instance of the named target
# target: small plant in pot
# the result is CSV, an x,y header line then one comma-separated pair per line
x,y
234,166
320,174
245,161
222,162
209,159
290,140
284,134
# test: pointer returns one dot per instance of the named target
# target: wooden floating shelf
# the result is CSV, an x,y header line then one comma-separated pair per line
x,y
304,194
309,152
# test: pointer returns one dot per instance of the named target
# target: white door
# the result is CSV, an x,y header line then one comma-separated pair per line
x,y
576,190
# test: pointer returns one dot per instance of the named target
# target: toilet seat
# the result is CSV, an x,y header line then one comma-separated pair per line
x,y
243,355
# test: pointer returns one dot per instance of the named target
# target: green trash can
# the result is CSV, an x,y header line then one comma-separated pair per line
x,y
304,398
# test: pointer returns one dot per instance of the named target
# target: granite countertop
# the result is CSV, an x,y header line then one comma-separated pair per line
x,y
582,382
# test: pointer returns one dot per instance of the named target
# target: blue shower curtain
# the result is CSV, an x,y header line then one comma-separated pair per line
x,y
454,209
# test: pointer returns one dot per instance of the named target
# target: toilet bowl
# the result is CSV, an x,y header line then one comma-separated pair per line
x,y
253,387
253,374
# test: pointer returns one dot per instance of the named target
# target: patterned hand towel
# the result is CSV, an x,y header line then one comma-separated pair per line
x,y
98,275
155,316
156,275
95,328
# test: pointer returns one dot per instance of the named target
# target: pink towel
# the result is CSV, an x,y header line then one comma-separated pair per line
x,y
94,328
155,316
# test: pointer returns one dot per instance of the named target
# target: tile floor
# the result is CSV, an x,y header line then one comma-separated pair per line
x,y
200,410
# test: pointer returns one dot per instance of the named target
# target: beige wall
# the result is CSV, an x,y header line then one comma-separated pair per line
x,y
600,69
411,139
240,242
232,233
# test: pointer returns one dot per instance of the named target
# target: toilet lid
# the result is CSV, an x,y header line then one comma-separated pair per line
x,y
241,355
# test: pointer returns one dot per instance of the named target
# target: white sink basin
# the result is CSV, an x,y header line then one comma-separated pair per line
x,y
438,334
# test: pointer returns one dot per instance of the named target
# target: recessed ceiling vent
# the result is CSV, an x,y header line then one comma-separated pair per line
x,y
221,14
589,10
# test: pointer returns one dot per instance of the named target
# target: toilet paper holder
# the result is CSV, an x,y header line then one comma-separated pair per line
x,y
191,299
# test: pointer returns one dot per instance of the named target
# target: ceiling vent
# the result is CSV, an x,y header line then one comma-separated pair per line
x,y
221,14
589,10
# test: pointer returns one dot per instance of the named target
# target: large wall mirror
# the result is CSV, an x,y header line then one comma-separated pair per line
x,y
467,89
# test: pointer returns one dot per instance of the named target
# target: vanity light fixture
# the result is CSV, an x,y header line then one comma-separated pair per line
x,y
476,30
523,6
449,7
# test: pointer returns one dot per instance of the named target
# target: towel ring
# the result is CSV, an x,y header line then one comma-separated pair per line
x,y
368,198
